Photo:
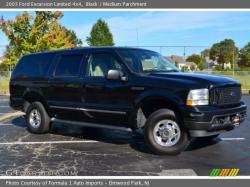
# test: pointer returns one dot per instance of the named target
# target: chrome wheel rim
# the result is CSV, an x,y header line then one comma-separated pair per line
x,y
167,133
35,118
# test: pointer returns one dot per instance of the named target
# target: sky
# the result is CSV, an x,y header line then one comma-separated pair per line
x,y
159,28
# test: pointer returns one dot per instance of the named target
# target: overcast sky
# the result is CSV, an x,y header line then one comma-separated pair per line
x,y
202,28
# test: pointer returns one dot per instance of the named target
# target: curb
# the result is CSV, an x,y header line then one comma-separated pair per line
x,y
10,115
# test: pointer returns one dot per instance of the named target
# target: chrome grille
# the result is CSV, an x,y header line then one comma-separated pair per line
x,y
225,95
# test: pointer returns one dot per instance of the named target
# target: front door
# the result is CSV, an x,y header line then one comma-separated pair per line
x,y
105,99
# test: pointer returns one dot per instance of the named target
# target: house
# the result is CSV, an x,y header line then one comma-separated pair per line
x,y
182,64
211,64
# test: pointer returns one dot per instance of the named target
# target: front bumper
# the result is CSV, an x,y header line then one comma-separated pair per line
x,y
210,120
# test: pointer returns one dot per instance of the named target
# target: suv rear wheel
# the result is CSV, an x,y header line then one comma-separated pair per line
x,y
38,121
163,133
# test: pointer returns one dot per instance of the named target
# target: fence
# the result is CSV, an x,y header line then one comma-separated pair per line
x,y
182,51
4,81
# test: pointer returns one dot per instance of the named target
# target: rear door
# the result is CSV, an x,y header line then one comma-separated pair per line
x,y
65,84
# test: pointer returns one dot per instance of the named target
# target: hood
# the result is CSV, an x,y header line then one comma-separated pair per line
x,y
204,79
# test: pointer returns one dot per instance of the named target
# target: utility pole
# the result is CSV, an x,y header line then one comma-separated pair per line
x,y
137,37
184,54
233,61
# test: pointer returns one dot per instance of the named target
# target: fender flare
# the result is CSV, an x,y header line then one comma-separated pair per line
x,y
33,92
167,96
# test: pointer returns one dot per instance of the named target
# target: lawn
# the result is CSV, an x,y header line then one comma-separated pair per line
x,y
243,77
4,84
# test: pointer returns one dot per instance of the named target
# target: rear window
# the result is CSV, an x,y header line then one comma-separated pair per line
x,y
33,66
69,66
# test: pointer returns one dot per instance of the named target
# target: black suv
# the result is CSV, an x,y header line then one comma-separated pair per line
x,y
128,88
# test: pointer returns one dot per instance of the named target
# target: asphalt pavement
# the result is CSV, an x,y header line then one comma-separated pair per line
x,y
77,150
4,105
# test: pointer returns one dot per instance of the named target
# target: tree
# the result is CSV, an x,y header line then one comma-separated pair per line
x,y
205,53
194,58
100,35
42,32
4,67
224,52
198,60
184,68
176,63
245,56
192,67
202,65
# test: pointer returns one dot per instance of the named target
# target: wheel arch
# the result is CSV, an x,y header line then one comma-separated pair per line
x,y
34,95
150,103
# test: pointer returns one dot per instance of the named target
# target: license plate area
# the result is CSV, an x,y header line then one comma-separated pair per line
x,y
231,119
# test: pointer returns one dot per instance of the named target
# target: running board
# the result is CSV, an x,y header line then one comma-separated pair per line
x,y
87,124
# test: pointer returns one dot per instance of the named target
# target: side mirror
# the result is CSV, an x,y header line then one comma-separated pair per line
x,y
115,75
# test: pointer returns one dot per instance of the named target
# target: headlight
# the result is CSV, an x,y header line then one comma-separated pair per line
x,y
198,97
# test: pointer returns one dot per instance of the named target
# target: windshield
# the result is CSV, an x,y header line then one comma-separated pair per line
x,y
143,61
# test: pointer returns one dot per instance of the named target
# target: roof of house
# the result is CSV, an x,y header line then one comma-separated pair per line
x,y
180,60
176,59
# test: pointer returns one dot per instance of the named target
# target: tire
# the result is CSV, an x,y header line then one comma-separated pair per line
x,y
153,140
37,119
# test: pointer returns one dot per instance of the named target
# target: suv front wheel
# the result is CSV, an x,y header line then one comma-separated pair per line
x,y
37,119
163,133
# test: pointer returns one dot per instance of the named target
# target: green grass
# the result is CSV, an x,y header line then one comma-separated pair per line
x,y
242,77
4,84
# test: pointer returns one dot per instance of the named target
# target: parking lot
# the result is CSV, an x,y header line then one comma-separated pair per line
x,y
77,150
4,106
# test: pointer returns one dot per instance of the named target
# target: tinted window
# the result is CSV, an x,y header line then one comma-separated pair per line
x,y
33,65
69,65
100,64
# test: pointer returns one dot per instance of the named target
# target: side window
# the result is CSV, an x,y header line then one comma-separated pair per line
x,y
68,66
33,65
100,64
